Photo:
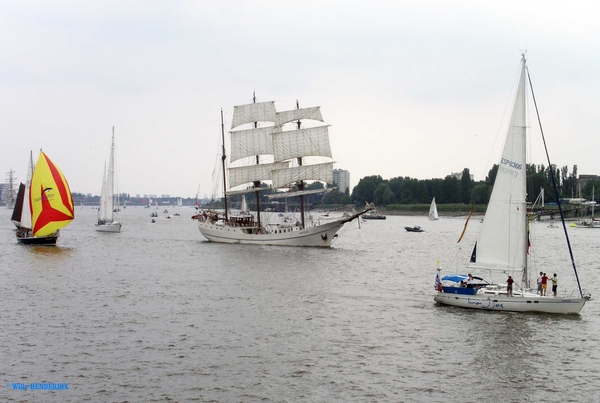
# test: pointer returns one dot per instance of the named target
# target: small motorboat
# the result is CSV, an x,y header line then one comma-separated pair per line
x,y
416,228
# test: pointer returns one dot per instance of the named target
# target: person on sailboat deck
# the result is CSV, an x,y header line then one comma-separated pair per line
x,y
539,283
554,284
470,281
544,283
509,286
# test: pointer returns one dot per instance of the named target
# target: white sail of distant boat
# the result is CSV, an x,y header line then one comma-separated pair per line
x,y
277,153
244,206
108,213
433,213
503,246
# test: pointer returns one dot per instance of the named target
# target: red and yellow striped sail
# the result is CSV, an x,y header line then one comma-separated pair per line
x,y
50,198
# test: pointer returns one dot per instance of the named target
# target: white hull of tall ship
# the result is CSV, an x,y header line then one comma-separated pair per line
x,y
109,227
321,235
529,302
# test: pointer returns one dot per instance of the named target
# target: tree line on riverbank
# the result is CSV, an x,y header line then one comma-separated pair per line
x,y
405,193
451,190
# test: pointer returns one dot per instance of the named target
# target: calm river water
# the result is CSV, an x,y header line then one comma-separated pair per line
x,y
158,314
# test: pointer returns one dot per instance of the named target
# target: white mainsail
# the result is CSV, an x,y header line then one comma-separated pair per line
x,y
502,242
103,214
433,213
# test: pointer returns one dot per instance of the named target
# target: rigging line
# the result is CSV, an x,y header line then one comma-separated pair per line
x,y
562,217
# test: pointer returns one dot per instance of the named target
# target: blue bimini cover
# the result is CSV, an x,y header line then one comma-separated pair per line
x,y
457,278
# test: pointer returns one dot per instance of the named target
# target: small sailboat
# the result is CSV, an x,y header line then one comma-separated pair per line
x,y
47,205
433,213
503,244
108,213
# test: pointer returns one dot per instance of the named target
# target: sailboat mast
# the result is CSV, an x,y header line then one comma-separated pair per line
x,y
301,182
554,186
223,158
257,183
523,119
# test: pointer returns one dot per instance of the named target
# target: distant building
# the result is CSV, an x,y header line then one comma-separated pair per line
x,y
458,175
341,178
583,179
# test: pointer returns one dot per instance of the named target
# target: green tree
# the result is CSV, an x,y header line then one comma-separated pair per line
x,y
466,185
491,178
450,190
481,193
365,190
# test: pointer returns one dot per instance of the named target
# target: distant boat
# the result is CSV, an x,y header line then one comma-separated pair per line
x,y
47,204
9,192
290,169
373,214
108,217
416,228
433,213
503,243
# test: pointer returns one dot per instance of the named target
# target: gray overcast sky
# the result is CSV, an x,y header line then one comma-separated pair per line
x,y
410,88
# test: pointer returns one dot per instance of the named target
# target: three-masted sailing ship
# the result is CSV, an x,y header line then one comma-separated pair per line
x,y
265,148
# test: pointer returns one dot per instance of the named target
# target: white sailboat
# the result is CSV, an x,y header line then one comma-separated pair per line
x,y
503,242
108,213
270,153
433,213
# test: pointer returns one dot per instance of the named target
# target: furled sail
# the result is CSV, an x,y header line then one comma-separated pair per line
x,y
50,197
502,242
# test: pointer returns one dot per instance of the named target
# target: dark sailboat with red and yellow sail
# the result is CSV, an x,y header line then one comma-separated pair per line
x,y
47,206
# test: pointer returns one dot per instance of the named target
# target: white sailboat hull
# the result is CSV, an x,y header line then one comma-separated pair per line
x,y
319,236
533,303
109,227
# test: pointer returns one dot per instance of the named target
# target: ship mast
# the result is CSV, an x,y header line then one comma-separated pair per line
x,y
257,183
223,158
300,183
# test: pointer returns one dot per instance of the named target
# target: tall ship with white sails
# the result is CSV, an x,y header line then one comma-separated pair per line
x,y
272,146
10,191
